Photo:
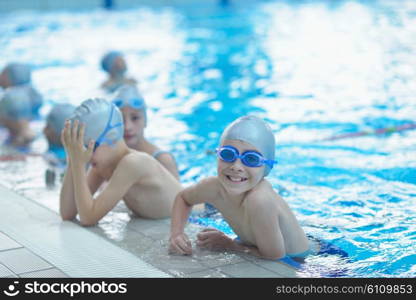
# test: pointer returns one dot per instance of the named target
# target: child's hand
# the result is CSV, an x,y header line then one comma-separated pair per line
x,y
73,141
213,239
180,244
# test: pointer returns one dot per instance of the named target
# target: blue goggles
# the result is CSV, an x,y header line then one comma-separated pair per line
x,y
102,138
250,158
136,103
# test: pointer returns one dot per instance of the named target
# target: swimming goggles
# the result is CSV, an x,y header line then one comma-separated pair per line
x,y
102,138
249,158
136,103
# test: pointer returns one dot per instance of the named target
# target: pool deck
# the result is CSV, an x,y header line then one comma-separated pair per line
x,y
35,242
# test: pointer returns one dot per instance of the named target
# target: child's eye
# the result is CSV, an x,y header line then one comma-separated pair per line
x,y
135,118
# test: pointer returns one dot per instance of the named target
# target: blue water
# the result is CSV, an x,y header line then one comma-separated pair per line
x,y
312,69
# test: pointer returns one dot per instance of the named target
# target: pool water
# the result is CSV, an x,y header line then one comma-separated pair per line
x,y
313,70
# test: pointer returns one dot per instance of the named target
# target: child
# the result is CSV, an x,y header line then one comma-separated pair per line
x,y
55,122
133,107
94,135
115,65
19,76
263,221
15,115
55,156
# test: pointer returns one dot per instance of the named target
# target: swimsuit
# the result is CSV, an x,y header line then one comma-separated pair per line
x,y
158,152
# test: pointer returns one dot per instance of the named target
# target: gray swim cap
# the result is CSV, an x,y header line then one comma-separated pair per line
x,y
103,121
15,105
18,73
57,116
108,60
255,131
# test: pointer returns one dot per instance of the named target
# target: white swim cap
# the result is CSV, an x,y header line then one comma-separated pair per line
x,y
15,105
57,116
103,121
254,131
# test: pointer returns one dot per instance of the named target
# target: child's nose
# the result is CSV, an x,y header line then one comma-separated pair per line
x,y
127,125
237,165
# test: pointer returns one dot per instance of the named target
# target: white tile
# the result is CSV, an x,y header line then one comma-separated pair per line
x,y
22,261
246,270
7,243
5,272
49,273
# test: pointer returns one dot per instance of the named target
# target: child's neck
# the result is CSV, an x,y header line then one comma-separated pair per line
x,y
145,146
236,199
117,76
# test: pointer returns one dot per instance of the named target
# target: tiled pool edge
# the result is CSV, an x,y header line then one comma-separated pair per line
x,y
43,233
65,245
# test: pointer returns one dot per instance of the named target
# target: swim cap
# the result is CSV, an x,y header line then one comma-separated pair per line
x,y
57,116
18,73
36,100
108,60
103,121
255,131
129,95
15,105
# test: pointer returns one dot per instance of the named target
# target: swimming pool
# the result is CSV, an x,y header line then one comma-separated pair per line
x,y
304,66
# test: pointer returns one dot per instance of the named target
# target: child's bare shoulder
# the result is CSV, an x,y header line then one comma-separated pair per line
x,y
203,191
134,161
209,182
262,196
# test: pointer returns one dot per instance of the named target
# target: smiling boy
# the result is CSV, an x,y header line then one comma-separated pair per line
x,y
263,221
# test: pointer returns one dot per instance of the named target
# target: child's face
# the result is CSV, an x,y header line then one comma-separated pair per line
x,y
15,127
134,124
4,79
103,157
119,65
236,177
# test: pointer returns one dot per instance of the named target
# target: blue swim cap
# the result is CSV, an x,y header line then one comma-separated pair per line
x,y
103,121
15,105
129,95
18,73
57,116
255,131
108,60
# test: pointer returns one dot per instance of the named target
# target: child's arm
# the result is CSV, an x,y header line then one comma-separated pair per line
x,y
204,191
214,239
124,176
127,172
264,221
179,242
67,207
